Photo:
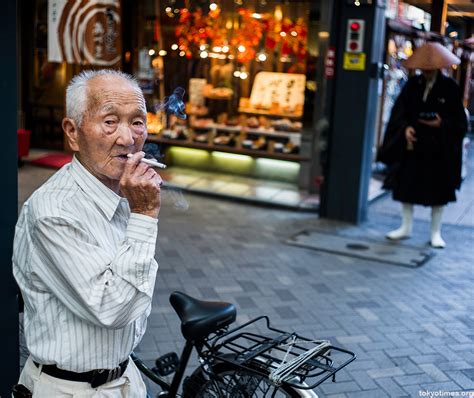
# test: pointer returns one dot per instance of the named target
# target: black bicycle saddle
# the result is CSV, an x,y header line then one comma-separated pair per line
x,y
200,318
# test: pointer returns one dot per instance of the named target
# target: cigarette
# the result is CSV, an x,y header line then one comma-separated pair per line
x,y
151,162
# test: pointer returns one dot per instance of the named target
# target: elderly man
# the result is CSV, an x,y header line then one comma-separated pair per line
x,y
84,248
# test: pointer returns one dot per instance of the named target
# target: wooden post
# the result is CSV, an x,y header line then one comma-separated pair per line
x,y
439,11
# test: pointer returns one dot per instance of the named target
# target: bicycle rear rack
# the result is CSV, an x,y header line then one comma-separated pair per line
x,y
263,353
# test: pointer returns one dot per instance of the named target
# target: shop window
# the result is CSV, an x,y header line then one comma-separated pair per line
x,y
249,71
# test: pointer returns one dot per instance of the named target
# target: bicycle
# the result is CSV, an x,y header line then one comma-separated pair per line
x,y
239,363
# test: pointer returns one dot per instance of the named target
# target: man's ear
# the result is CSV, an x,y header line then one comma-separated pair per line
x,y
72,133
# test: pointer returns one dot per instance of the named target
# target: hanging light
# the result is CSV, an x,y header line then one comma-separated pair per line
x,y
162,53
241,48
174,46
168,10
261,56
151,52
294,33
202,47
182,53
204,54
225,49
237,73
283,34
213,6
243,75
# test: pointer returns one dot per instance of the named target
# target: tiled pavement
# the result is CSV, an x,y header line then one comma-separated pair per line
x,y
412,329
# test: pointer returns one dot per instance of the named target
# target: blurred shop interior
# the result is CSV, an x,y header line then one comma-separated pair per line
x,y
255,74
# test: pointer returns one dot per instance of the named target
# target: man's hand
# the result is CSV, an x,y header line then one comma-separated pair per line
x,y
432,123
140,184
410,134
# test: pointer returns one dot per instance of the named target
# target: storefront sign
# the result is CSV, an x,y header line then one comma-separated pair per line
x,y
330,63
284,89
354,61
196,91
84,32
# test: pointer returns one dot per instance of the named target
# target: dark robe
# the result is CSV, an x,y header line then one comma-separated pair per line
x,y
430,173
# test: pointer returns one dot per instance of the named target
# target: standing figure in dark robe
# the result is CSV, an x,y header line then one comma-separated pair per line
x,y
423,142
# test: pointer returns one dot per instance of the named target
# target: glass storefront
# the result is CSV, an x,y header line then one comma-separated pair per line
x,y
249,72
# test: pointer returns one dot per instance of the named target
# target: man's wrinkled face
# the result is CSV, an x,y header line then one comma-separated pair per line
x,y
113,126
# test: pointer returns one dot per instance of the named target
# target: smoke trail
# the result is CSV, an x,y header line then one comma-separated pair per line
x,y
174,104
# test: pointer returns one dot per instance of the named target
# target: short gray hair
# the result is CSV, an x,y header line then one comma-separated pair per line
x,y
76,92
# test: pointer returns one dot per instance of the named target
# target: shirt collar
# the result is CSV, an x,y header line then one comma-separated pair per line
x,y
106,199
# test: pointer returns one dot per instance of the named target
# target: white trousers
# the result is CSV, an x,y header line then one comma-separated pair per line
x,y
130,385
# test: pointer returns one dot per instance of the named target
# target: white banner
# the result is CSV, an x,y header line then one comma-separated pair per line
x,y
86,32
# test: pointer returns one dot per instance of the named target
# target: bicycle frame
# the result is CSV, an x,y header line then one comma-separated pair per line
x,y
170,389
219,344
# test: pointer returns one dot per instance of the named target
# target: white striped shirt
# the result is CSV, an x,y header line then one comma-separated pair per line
x,y
86,270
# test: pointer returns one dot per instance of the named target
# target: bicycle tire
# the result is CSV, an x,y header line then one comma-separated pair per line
x,y
234,382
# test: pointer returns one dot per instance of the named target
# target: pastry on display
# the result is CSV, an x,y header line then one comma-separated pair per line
x,y
233,121
252,122
203,123
286,147
225,139
198,110
286,125
176,134
256,144
221,92
201,137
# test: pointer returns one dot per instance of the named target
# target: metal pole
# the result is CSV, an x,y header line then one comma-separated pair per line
x,y
357,85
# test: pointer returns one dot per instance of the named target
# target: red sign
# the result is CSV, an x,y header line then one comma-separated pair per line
x,y
330,63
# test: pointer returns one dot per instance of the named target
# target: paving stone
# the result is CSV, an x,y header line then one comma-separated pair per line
x,y
286,312
413,379
469,373
447,386
367,314
432,358
399,352
387,372
285,295
245,302
454,365
378,393
353,339
345,387
407,365
363,380
391,388
434,372
465,380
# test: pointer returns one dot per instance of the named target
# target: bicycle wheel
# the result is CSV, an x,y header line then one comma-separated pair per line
x,y
233,382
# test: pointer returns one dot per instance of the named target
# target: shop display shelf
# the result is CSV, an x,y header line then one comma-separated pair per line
x,y
242,129
237,150
261,112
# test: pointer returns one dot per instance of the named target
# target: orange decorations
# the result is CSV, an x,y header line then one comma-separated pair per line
x,y
249,33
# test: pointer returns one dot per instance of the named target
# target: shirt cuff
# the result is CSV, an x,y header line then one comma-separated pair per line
x,y
142,228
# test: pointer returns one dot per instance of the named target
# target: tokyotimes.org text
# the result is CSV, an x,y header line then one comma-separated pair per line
x,y
440,393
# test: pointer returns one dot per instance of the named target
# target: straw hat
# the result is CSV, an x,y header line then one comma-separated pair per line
x,y
431,56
